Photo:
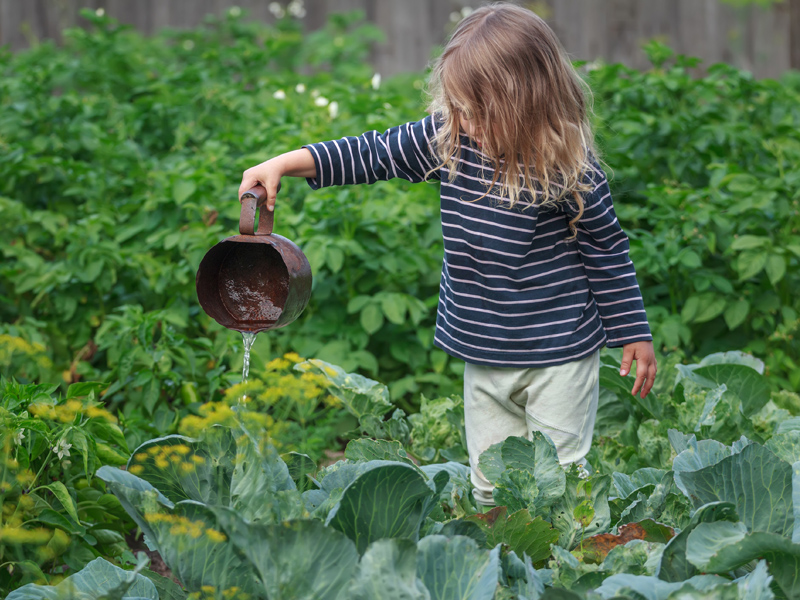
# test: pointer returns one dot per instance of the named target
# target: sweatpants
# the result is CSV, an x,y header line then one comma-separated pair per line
x,y
559,401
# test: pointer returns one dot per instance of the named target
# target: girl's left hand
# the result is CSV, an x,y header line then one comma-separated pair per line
x,y
646,368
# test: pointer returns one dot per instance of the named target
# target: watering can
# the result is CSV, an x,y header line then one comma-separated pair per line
x,y
256,280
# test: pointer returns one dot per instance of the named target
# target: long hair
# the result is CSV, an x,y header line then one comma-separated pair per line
x,y
505,70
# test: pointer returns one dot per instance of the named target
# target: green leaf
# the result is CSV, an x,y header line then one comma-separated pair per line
x,y
389,501
750,264
298,559
748,384
371,318
562,511
673,565
455,567
736,313
538,457
334,256
776,268
723,547
710,307
388,570
169,465
60,491
748,242
356,304
365,449
517,490
98,580
742,183
360,395
755,481
523,534
183,189
301,467
394,307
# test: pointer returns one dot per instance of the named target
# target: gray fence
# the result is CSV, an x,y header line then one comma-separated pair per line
x,y
755,38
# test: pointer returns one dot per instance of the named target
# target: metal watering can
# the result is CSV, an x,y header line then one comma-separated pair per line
x,y
256,280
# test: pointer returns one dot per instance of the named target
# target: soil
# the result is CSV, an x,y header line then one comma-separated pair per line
x,y
157,564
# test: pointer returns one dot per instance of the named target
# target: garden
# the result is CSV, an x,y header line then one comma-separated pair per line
x,y
137,463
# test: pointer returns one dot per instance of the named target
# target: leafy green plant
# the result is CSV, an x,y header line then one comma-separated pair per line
x,y
56,516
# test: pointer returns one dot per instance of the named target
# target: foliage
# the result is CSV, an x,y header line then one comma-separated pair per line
x,y
120,162
56,515
707,183
705,519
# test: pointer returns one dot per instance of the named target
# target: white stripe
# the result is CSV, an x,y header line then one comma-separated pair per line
x,y
509,302
552,336
611,247
509,328
485,222
341,158
319,162
517,279
330,162
516,315
534,251
379,139
361,156
498,264
522,290
377,155
627,325
631,337
616,290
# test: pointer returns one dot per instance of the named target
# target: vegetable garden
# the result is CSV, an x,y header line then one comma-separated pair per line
x,y
339,469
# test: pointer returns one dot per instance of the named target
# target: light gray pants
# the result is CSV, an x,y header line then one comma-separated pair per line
x,y
560,401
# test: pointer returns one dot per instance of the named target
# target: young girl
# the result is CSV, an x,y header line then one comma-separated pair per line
x,y
536,276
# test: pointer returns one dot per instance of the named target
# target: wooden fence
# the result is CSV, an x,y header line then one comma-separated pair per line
x,y
765,41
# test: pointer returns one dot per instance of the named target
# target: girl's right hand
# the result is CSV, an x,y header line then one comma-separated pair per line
x,y
297,163
269,175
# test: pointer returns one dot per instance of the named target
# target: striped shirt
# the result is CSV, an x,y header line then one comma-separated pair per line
x,y
514,291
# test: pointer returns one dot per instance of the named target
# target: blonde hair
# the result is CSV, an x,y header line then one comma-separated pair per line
x,y
505,70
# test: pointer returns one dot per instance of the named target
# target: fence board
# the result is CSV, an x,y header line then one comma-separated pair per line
x,y
758,39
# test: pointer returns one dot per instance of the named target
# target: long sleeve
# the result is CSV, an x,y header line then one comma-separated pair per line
x,y
603,247
403,151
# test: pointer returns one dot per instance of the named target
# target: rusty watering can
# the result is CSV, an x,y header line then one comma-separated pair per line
x,y
256,280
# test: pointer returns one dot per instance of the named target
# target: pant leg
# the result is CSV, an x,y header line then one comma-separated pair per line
x,y
561,401
489,417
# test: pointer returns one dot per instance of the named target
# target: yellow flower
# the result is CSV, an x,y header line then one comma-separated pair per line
x,y
215,536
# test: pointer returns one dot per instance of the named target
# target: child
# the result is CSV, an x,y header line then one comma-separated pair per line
x,y
536,275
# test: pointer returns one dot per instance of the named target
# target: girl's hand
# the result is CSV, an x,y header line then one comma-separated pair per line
x,y
269,175
645,357
297,163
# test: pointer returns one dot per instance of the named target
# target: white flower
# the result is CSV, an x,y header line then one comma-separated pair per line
x,y
234,11
466,11
333,109
321,101
100,12
300,88
376,81
314,93
62,448
296,9
188,44
18,437
279,95
277,10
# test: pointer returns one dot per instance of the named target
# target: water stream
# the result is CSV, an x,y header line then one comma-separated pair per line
x,y
248,339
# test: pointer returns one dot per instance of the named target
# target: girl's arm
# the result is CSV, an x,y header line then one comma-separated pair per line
x,y
297,163
603,247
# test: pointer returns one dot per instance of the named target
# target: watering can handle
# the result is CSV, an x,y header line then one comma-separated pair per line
x,y
251,200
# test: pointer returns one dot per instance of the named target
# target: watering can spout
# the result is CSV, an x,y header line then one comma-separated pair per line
x,y
256,280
